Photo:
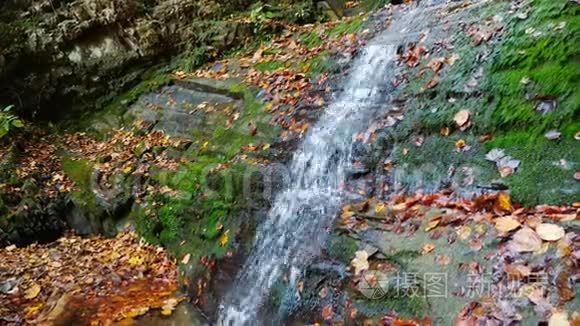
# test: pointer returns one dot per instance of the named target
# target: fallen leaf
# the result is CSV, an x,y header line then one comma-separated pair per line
x,y
526,240
505,171
565,290
550,232
462,119
135,260
495,155
507,165
559,318
432,82
464,232
32,292
427,248
442,260
185,259
327,312
433,223
224,238
503,203
379,208
460,144
506,224
360,262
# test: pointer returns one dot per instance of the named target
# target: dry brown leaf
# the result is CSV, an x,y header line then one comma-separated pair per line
x,y
327,312
360,261
565,290
427,248
462,118
550,232
442,260
526,240
506,224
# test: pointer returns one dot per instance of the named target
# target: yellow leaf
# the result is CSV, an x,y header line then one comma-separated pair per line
x,y
166,312
433,223
464,232
34,309
460,144
480,229
379,208
137,312
128,169
32,292
506,224
224,238
504,202
136,261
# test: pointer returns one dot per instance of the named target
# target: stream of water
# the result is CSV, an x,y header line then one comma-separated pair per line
x,y
298,224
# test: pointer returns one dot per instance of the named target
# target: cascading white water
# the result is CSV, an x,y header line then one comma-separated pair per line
x,y
302,215
297,224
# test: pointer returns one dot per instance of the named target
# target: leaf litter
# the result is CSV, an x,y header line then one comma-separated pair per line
x,y
530,242
97,280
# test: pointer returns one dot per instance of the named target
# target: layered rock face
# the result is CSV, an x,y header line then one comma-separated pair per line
x,y
62,55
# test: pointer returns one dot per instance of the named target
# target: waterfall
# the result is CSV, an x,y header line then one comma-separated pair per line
x,y
302,216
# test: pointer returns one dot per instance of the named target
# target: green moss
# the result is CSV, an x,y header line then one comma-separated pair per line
x,y
374,4
317,65
311,40
152,81
549,60
406,306
546,173
342,248
193,59
270,66
349,26
80,171
206,202
536,59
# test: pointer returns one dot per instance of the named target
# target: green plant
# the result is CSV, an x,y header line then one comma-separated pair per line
x,y
261,16
9,122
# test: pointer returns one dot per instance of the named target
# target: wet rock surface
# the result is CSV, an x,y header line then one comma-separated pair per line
x,y
68,53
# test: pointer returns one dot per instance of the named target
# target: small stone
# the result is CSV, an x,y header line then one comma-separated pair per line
x,y
546,106
552,135
495,155
522,15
